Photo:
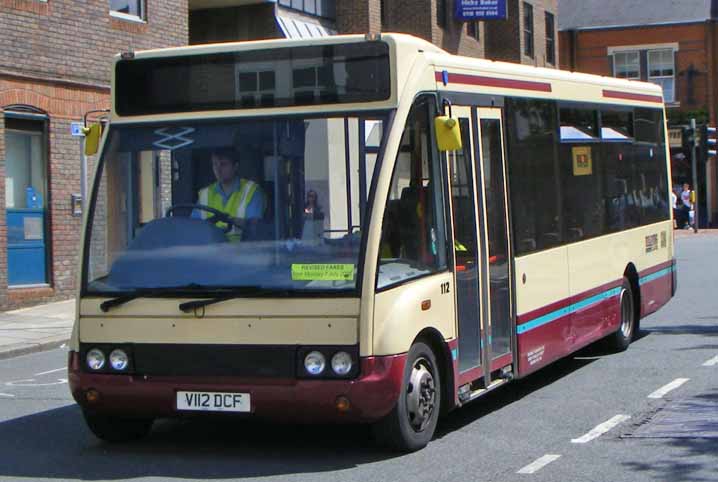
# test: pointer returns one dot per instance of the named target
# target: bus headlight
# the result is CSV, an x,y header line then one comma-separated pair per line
x,y
95,359
119,360
314,363
342,363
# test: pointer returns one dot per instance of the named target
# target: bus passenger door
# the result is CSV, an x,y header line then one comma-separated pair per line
x,y
496,254
467,274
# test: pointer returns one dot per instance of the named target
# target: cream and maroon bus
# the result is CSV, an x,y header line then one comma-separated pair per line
x,y
471,222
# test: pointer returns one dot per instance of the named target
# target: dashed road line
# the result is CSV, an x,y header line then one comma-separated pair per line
x,y
600,429
712,362
50,371
538,464
7,395
661,392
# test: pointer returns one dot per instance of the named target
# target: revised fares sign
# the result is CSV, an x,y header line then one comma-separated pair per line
x,y
469,10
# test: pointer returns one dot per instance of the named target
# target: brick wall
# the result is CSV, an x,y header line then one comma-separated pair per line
x,y
590,55
250,22
76,40
361,16
56,57
505,39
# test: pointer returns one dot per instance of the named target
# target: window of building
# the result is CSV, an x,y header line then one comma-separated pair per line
x,y
550,39
319,8
129,8
472,28
528,29
441,13
413,240
661,71
627,65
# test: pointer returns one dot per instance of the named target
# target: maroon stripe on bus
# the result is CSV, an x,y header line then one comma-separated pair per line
x,y
615,94
544,310
656,268
502,361
495,82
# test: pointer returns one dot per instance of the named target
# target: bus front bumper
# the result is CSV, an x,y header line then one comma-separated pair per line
x,y
371,396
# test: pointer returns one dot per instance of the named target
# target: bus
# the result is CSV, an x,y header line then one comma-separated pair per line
x,y
358,229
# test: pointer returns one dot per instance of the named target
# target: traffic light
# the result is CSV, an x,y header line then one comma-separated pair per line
x,y
709,142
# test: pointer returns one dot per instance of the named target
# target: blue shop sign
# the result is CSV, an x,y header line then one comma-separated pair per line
x,y
469,10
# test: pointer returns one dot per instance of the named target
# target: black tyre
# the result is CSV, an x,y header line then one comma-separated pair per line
x,y
115,429
620,340
411,424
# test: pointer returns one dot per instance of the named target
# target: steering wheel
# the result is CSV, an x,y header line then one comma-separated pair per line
x,y
217,215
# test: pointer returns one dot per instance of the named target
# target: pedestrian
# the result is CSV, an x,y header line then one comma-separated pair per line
x,y
686,205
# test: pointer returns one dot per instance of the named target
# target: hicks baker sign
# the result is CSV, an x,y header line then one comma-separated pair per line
x,y
468,10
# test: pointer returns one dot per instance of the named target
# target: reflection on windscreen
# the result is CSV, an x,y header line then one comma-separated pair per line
x,y
276,205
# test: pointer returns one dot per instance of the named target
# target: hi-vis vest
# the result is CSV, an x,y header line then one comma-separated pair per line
x,y
236,205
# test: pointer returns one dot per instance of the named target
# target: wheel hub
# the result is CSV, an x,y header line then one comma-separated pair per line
x,y
421,395
626,314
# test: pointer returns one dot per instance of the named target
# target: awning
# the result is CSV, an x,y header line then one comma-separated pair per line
x,y
299,29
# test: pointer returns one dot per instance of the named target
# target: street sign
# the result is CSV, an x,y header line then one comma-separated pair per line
x,y
470,10
76,129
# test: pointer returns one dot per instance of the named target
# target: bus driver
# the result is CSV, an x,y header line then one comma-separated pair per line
x,y
241,199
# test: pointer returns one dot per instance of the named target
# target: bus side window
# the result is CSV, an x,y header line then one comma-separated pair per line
x,y
413,231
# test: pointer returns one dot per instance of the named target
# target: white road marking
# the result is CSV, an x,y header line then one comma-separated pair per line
x,y
600,429
661,392
538,464
30,382
50,371
712,362
7,395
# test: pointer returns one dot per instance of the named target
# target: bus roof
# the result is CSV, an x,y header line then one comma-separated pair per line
x,y
404,52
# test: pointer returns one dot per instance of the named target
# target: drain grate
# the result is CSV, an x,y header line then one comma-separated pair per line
x,y
695,417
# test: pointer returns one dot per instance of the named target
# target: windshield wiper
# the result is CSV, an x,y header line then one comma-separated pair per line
x,y
190,306
106,306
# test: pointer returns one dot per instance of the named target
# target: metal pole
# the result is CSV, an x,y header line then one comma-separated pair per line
x,y
694,168
83,174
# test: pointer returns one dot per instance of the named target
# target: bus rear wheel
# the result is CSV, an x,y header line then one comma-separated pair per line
x,y
116,429
620,340
411,424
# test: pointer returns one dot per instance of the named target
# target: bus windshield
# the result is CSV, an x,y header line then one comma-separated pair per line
x,y
272,205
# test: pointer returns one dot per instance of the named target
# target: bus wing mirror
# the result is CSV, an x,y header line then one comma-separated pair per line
x,y
92,138
448,134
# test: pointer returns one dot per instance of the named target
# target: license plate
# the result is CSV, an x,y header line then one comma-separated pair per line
x,y
213,401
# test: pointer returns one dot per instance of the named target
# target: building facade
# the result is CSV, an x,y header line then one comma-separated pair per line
x,y
55,67
528,34
673,44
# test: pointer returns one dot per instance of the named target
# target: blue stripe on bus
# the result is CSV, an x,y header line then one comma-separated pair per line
x,y
655,276
572,308
555,315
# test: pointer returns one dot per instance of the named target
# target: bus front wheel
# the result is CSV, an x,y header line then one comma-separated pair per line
x,y
411,424
116,429
620,340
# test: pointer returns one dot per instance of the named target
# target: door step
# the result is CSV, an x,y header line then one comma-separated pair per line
x,y
466,394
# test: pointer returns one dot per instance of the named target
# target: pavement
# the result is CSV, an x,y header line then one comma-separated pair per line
x,y
47,326
37,328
